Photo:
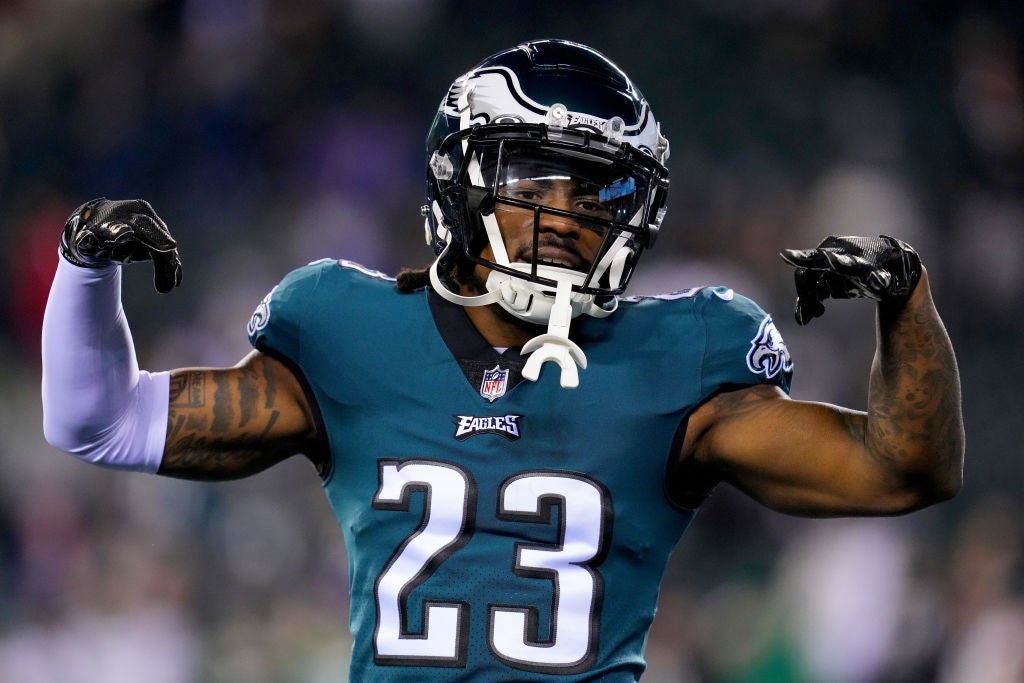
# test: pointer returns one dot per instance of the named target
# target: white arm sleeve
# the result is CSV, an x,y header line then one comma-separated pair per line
x,y
97,405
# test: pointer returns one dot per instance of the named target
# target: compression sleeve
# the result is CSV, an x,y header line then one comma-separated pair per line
x,y
97,404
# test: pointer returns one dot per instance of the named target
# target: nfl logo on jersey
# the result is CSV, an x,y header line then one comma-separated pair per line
x,y
494,384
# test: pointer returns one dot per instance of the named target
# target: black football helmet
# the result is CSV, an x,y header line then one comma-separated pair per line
x,y
544,110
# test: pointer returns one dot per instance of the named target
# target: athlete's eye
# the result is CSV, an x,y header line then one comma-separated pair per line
x,y
591,207
524,193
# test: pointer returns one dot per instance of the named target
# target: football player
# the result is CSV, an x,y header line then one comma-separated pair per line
x,y
511,446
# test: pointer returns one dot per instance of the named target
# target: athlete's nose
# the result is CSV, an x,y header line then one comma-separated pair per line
x,y
559,225
556,223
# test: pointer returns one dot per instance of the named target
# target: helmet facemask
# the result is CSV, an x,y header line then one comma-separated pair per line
x,y
552,218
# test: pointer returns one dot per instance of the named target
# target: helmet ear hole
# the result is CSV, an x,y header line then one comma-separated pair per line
x,y
479,200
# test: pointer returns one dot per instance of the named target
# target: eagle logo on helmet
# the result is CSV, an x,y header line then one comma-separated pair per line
x,y
484,92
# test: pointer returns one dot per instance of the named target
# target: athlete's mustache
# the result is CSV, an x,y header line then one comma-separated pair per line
x,y
554,248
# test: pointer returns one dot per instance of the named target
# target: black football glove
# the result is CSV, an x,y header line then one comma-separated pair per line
x,y
881,268
102,231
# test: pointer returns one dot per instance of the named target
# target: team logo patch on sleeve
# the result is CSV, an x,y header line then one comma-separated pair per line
x,y
502,425
494,384
768,354
261,316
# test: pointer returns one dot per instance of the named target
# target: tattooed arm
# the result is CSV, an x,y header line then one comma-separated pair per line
x,y
233,422
807,458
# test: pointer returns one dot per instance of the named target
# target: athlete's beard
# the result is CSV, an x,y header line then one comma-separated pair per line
x,y
464,279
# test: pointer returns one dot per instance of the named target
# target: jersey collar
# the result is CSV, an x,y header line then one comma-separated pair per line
x,y
473,353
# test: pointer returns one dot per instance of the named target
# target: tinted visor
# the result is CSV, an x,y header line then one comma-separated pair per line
x,y
602,189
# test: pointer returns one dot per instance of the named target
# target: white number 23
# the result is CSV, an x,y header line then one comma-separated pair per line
x,y
447,525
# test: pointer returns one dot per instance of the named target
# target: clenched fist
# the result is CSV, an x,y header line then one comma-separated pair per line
x,y
103,231
880,268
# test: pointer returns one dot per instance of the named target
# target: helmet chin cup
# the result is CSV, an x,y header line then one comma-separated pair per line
x,y
539,304
533,302
536,304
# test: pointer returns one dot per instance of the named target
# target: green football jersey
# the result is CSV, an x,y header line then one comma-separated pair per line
x,y
500,529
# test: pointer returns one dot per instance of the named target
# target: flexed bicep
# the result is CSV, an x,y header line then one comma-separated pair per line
x,y
798,457
227,423
794,456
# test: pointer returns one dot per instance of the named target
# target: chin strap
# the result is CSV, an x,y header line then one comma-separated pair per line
x,y
555,345
444,292
529,304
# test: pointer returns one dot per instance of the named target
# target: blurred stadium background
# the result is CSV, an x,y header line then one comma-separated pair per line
x,y
269,133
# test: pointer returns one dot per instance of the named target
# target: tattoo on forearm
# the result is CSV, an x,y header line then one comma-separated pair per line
x,y
914,394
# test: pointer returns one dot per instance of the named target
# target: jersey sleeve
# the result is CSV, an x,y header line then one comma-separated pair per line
x,y
743,346
276,324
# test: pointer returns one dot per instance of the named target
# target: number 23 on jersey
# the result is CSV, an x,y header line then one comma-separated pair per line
x,y
448,523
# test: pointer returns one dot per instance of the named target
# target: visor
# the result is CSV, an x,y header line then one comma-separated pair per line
x,y
595,188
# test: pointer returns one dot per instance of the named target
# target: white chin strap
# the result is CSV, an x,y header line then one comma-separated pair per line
x,y
536,304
